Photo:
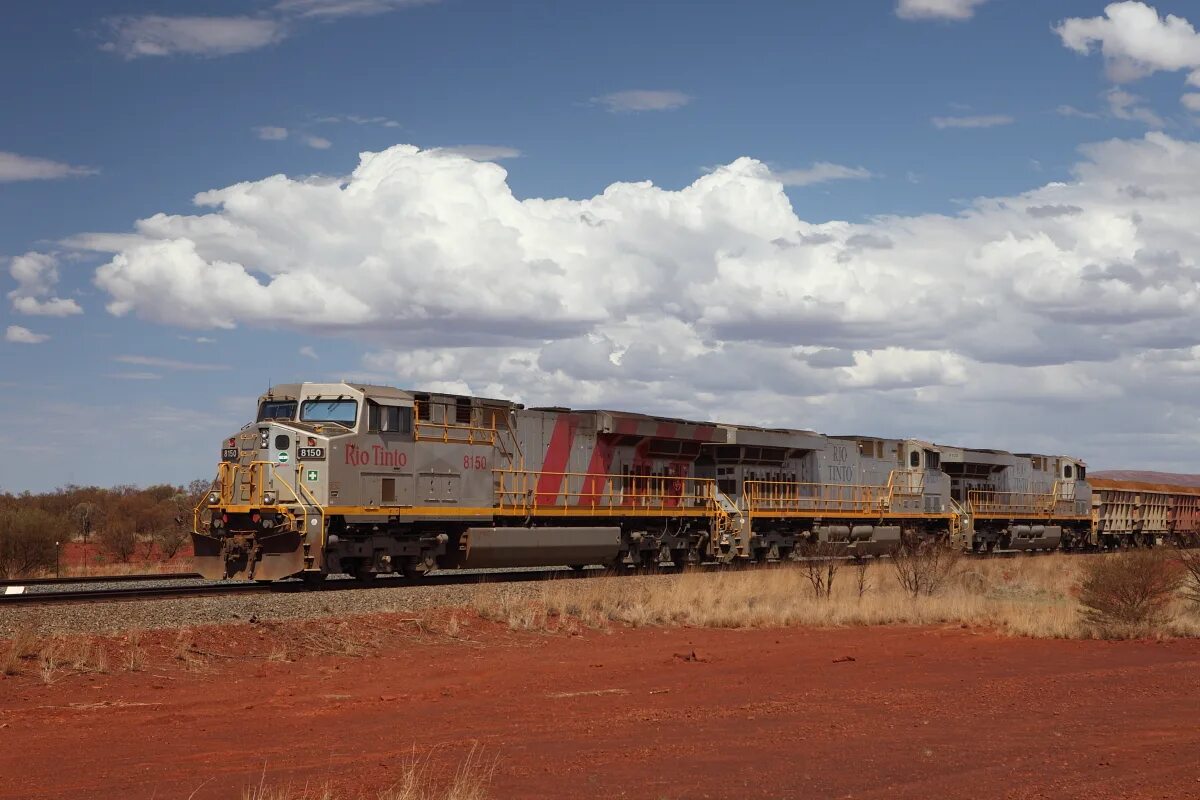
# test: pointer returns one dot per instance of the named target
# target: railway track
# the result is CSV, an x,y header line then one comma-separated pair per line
x,y
46,596
84,579
214,588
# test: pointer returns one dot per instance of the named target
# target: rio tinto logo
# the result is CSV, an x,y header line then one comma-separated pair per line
x,y
377,456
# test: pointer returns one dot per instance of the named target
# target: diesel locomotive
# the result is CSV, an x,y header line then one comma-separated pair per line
x,y
361,479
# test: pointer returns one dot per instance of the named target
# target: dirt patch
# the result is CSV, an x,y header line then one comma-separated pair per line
x,y
645,713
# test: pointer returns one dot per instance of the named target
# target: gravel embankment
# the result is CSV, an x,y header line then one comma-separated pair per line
x,y
111,617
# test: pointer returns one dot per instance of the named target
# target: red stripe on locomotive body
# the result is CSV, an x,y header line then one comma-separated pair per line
x,y
626,426
558,456
598,469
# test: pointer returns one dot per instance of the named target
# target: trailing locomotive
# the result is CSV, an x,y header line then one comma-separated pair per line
x,y
359,479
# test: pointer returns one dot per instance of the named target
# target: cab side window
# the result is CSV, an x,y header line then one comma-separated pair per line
x,y
388,419
1068,472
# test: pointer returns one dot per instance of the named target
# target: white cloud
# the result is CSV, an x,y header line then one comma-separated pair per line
x,y
716,299
198,339
1127,106
483,152
1136,42
1072,111
937,9
317,142
331,9
821,172
979,121
135,376
643,100
36,275
154,35
355,119
16,167
19,335
169,363
308,352
1191,101
271,133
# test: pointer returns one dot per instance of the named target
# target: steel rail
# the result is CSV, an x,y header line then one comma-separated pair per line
x,y
146,578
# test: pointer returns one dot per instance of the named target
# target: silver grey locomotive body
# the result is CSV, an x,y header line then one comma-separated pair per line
x,y
360,479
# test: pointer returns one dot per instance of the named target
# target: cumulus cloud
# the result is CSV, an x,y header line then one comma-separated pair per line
x,y
643,100
36,275
714,299
16,167
957,10
271,133
1136,42
317,142
978,121
19,335
821,172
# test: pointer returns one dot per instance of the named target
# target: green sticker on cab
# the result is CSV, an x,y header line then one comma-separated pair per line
x,y
312,475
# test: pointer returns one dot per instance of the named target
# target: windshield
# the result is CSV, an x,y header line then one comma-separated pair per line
x,y
277,409
341,411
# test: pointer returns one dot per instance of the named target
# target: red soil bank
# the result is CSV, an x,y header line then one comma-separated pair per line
x,y
864,713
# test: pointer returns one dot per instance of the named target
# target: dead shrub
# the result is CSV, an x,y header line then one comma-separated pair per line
x,y
821,562
922,567
1130,593
862,580
1189,559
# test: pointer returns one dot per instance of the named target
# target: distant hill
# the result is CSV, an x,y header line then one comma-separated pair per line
x,y
1144,476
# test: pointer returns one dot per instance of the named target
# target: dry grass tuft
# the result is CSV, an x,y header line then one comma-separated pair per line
x,y
418,781
24,645
135,657
1032,596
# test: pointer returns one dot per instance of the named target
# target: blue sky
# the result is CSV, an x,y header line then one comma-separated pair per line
x,y
879,120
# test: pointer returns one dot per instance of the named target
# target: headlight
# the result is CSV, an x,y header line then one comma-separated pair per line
x,y
269,498
213,498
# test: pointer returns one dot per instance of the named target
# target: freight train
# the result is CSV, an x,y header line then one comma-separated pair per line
x,y
365,480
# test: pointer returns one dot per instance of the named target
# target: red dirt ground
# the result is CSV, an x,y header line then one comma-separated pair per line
x,y
916,713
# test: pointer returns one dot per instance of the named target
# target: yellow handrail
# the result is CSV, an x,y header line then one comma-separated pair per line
x,y
525,491
450,432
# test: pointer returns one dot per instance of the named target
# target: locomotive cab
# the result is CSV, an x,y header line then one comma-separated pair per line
x,y
263,516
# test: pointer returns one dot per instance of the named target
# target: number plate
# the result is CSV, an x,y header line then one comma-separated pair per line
x,y
310,453
229,454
